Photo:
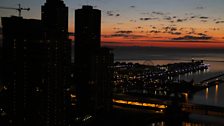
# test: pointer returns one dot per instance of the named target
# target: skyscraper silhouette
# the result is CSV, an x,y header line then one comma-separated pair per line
x,y
37,57
93,63
87,28
54,15
55,22
23,57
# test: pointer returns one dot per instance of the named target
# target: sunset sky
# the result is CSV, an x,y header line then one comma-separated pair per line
x,y
159,23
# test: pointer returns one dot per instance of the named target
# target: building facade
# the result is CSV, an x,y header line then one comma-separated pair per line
x,y
93,63
23,59
54,16
37,60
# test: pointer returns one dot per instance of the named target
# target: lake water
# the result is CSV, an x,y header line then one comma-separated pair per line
x,y
209,96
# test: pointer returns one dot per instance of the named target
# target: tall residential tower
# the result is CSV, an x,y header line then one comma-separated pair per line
x,y
93,72
23,67
37,59
54,16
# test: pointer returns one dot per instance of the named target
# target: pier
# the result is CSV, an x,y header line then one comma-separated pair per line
x,y
214,80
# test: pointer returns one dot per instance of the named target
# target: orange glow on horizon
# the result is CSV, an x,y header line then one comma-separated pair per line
x,y
177,44
161,33
112,37
113,42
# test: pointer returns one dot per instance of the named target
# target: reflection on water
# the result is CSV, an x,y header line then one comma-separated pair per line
x,y
186,99
194,120
216,93
206,94
209,96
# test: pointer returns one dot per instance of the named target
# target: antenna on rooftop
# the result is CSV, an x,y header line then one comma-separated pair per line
x,y
19,9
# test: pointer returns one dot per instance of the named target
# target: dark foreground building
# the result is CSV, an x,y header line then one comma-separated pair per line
x,y
24,57
93,71
54,16
37,59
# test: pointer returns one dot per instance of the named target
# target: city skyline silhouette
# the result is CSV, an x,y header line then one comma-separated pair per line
x,y
147,23
133,63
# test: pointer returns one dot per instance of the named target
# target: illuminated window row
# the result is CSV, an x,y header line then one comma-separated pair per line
x,y
140,104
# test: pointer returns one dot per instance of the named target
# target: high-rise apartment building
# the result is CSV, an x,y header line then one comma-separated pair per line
x,y
23,68
54,16
37,59
93,72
